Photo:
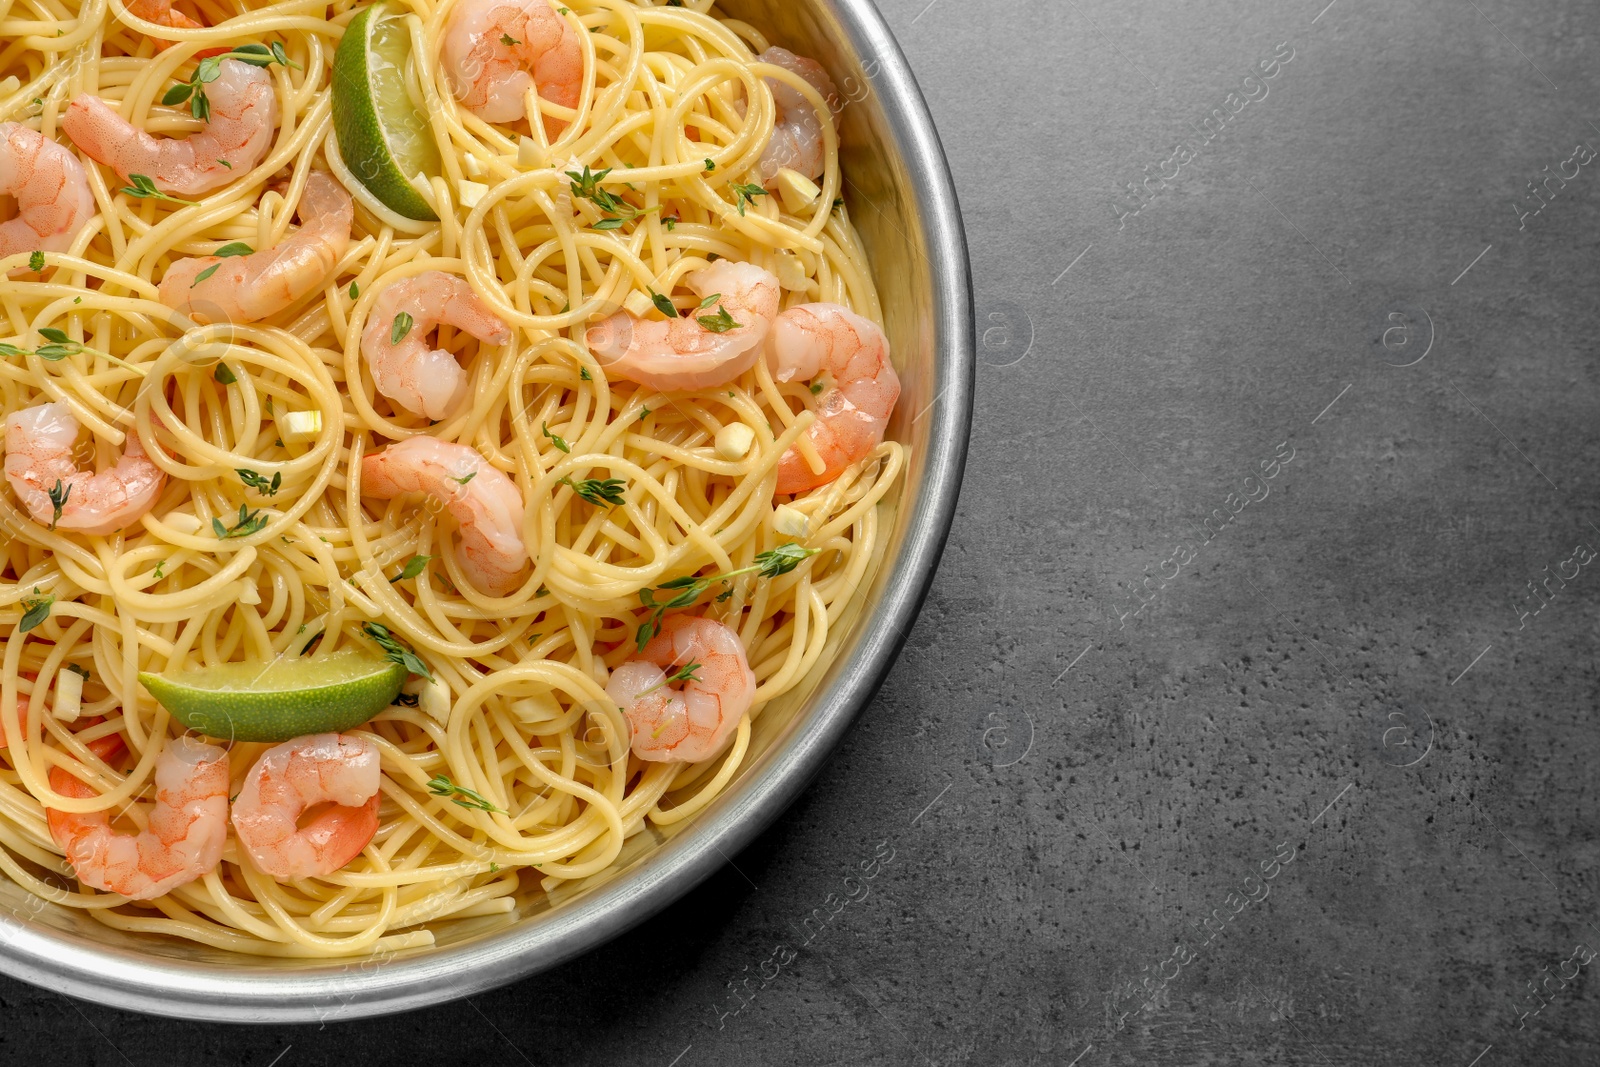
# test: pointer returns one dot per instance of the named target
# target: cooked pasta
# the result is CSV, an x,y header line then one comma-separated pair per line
x,y
592,459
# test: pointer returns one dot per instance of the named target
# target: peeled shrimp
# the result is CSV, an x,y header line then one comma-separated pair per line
x,y
54,203
244,112
162,13
339,770
39,459
252,287
797,132
693,723
810,339
680,353
188,826
425,381
491,77
484,502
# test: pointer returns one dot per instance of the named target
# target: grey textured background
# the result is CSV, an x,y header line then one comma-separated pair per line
x,y
1343,671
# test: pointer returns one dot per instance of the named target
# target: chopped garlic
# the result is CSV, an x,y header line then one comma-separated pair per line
x,y
69,695
299,425
248,593
434,700
469,193
790,521
796,189
530,154
734,439
10,85
472,165
542,708
791,272
638,304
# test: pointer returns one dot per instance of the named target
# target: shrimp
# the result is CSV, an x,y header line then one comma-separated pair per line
x,y
681,353
252,287
797,131
188,825
244,112
482,499
425,381
40,467
693,723
809,339
162,13
54,203
493,51
336,770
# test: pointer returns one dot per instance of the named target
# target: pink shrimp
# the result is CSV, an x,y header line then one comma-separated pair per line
x,y
162,13
810,339
254,286
482,499
494,50
244,112
682,352
41,468
338,770
188,824
423,380
797,131
696,722
54,203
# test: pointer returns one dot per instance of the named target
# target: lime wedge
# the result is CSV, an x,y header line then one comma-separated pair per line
x,y
384,138
282,699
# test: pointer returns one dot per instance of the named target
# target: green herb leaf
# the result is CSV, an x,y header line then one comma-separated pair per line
x,y
783,559
160,563
143,188
58,500
233,248
177,94
259,482
664,304
414,566
396,651
463,481
745,194
712,299
711,164
250,522
81,672
508,40
598,491
223,374
402,326
558,442
36,262
355,290
203,275
721,322
50,333
225,163
441,786
34,612
583,374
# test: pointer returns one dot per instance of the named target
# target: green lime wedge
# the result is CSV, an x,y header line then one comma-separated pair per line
x,y
384,138
282,699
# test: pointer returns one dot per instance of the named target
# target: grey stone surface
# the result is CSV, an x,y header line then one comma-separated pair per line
x,y
1343,673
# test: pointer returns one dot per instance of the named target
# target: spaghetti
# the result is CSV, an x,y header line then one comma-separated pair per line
x,y
509,768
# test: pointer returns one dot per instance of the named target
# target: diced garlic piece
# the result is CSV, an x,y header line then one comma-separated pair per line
x,y
10,85
299,425
434,701
796,190
638,304
69,695
534,709
472,165
530,155
790,521
248,593
791,272
469,193
734,440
